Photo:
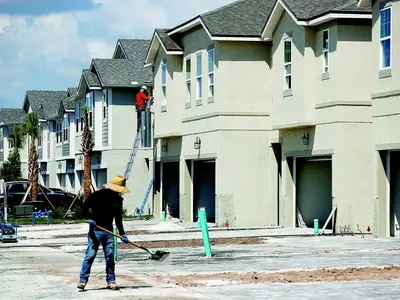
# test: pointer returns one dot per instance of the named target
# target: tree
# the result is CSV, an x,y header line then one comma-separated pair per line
x,y
87,148
17,137
11,169
32,130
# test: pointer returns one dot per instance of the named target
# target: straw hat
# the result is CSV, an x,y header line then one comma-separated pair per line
x,y
117,184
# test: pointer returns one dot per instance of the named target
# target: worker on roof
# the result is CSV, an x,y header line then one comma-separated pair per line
x,y
141,101
102,208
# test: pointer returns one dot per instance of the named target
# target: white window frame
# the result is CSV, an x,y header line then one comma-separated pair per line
x,y
285,64
188,77
2,139
325,52
65,129
199,78
77,117
59,138
90,108
104,111
389,37
164,71
211,86
39,139
81,104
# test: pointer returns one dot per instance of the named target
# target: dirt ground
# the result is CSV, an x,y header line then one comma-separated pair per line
x,y
134,232
197,243
322,275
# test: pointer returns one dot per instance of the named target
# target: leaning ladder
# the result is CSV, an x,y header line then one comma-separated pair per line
x,y
145,198
134,149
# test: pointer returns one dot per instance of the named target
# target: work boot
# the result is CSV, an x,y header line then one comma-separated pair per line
x,y
113,286
81,285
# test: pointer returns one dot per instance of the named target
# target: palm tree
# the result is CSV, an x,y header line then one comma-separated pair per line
x,y
32,130
17,137
87,148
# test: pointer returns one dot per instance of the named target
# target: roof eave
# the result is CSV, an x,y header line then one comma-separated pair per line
x,y
364,3
93,66
281,7
189,25
155,44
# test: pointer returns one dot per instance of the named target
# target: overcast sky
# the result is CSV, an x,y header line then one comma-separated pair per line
x,y
45,44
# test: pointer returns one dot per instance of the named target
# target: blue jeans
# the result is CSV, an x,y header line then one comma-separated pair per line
x,y
95,237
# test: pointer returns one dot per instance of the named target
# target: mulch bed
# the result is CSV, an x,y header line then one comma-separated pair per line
x,y
322,275
196,243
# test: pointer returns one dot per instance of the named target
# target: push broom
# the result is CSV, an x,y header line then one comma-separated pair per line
x,y
158,255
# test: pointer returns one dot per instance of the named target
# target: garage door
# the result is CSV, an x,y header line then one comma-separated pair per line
x,y
394,193
204,189
314,189
170,188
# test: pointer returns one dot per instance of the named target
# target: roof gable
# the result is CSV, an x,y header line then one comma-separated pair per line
x,y
44,103
10,116
161,39
122,72
313,13
88,80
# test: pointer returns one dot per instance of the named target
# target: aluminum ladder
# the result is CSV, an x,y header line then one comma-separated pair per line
x,y
134,149
145,199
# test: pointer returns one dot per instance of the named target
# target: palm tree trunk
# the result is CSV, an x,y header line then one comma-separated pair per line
x,y
87,180
33,171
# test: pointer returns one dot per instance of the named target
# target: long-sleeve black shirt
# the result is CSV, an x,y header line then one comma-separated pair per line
x,y
102,207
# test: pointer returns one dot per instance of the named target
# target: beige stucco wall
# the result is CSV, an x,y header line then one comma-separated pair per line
x,y
350,146
169,117
139,178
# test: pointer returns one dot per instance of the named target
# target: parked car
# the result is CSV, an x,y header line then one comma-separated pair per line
x,y
16,191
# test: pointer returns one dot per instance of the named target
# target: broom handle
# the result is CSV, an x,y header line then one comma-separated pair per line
x,y
117,235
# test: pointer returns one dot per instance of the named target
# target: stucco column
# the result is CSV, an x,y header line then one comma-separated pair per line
x,y
287,200
382,194
185,191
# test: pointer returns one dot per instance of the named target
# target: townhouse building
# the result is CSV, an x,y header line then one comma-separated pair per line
x,y
265,116
108,89
8,118
385,97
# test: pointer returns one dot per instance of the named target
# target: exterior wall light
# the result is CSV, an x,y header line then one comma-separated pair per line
x,y
305,138
59,166
80,160
164,146
197,143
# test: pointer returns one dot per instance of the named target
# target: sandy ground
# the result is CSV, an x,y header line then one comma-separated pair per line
x,y
322,275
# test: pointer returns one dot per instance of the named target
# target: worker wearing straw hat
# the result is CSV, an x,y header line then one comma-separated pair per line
x,y
101,208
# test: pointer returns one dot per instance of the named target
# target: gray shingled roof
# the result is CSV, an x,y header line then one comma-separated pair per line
x,y
72,91
91,78
121,72
10,116
247,18
167,41
45,103
69,103
241,18
135,48
306,10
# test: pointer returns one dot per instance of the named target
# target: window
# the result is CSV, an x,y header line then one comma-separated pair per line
x,y
105,104
199,79
386,38
188,80
1,139
65,128
16,188
81,104
89,107
325,50
77,116
58,132
164,83
288,63
211,73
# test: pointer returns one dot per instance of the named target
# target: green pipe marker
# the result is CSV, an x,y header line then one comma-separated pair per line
x,y
163,216
316,226
115,245
204,231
